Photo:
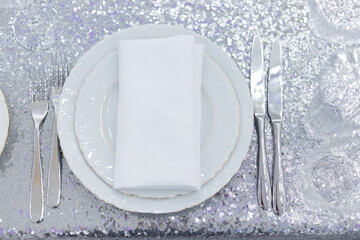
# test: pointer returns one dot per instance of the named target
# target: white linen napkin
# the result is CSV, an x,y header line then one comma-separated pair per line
x,y
159,114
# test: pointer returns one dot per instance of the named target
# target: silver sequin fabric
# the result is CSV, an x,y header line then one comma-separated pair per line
x,y
31,30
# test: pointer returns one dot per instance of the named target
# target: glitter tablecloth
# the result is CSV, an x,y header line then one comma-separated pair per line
x,y
310,32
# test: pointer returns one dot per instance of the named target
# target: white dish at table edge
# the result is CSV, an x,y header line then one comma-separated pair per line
x,y
4,121
219,128
95,184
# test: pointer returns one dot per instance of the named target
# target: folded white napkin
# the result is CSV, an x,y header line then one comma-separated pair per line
x,y
159,114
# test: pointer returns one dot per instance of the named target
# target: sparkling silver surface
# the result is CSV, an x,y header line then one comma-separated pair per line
x,y
336,101
337,20
332,174
28,39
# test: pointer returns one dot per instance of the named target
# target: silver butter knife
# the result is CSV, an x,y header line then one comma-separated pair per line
x,y
257,82
275,113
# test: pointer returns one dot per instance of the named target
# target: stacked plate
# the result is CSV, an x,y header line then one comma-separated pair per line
x,y
87,123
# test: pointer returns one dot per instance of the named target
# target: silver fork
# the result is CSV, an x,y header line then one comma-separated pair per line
x,y
39,109
59,75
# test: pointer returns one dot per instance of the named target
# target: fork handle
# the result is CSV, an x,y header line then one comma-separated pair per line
x,y
263,180
37,194
278,191
54,184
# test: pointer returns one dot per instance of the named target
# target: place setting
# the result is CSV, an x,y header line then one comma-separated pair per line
x,y
156,119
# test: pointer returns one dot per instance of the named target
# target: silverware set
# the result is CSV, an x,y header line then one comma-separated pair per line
x,y
274,108
42,90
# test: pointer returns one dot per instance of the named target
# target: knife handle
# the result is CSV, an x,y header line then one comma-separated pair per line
x,y
263,180
278,190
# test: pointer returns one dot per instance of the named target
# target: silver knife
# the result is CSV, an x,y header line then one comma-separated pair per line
x,y
275,113
257,82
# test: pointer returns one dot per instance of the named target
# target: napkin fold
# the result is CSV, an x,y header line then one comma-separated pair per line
x,y
159,114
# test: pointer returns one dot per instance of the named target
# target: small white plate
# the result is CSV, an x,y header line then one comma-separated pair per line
x,y
4,121
92,181
96,114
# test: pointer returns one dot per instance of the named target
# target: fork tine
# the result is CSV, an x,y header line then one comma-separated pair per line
x,y
66,67
59,64
53,68
45,84
67,70
40,87
63,63
63,58
31,84
57,70
34,86
59,77
60,69
36,92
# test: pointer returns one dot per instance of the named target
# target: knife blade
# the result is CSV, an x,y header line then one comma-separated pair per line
x,y
275,84
275,112
257,88
257,84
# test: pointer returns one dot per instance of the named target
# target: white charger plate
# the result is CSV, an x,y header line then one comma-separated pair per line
x,y
96,114
85,173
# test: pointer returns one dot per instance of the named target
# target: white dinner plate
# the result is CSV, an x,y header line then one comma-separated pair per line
x,y
92,181
96,114
4,121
